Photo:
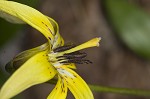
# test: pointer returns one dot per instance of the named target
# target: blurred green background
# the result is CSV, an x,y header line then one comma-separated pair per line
x,y
123,58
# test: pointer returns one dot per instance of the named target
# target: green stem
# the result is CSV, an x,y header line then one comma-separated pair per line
x,y
116,90
125,91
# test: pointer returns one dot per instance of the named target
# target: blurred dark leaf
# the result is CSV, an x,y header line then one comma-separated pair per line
x,y
2,77
131,23
32,3
8,30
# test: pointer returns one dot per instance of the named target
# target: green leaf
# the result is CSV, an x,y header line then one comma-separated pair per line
x,y
131,23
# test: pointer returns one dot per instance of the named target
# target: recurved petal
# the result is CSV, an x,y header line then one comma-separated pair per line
x,y
58,40
60,90
16,13
34,71
76,84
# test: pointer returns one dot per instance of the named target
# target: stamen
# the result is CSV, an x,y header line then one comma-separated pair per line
x,y
70,53
78,61
75,55
64,48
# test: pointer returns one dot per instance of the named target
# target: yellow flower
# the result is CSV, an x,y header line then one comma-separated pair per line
x,y
50,60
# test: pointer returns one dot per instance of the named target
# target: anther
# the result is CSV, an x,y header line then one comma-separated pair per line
x,y
63,48
74,55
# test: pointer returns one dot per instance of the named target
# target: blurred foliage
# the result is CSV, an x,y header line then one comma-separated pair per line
x,y
2,78
131,23
9,30
31,3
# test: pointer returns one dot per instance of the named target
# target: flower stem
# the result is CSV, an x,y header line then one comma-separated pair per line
x,y
125,91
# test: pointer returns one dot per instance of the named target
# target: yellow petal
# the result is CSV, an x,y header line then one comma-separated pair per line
x,y
34,71
76,84
21,58
15,11
11,18
60,90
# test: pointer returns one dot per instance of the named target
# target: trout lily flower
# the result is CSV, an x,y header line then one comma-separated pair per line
x,y
52,60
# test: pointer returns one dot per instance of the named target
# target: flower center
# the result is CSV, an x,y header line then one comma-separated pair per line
x,y
58,56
